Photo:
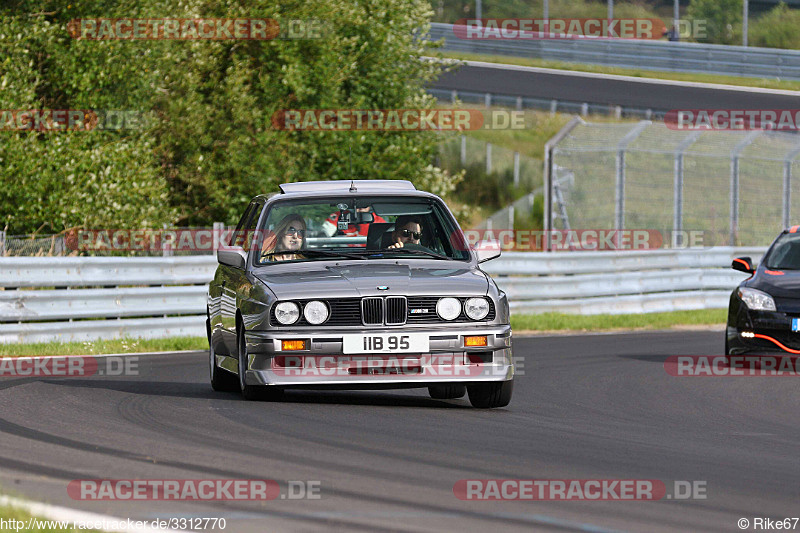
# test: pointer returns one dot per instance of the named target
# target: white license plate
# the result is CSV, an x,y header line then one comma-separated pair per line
x,y
386,343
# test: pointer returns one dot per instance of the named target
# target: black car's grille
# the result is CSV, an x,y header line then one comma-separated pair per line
x,y
372,311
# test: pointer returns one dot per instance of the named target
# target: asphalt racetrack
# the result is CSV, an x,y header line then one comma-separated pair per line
x,y
601,89
584,407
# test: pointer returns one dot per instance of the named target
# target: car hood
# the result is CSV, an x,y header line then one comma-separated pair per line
x,y
343,280
778,283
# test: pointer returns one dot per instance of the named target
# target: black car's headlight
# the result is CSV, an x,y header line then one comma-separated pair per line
x,y
316,312
287,313
476,308
448,308
757,300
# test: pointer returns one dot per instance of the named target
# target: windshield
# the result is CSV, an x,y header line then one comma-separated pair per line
x,y
785,254
359,227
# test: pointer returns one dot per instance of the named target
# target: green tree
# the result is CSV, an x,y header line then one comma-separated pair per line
x,y
722,18
777,28
209,146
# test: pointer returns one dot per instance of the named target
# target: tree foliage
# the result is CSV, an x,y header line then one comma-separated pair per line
x,y
208,145
723,19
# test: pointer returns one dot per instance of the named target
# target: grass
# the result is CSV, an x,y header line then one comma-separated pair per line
x,y
567,322
763,83
172,344
12,513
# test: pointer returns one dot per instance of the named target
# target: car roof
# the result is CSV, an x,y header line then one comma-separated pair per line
x,y
347,186
317,189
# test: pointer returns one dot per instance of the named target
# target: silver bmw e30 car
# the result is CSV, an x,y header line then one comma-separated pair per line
x,y
364,284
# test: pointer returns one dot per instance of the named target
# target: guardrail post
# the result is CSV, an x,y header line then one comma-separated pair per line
x,y
488,158
453,96
519,103
487,99
734,193
584,109
787,186
2,243
553,106
549,147
463,150
619,190
516,169
677,211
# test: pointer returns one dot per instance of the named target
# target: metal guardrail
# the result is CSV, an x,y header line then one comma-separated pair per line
x,y
619,282
640,54
87,298
98,302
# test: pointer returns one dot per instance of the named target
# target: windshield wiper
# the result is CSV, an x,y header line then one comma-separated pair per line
x,y
316,253
414,251
329,253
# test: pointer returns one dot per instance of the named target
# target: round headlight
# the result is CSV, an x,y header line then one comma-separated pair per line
x,y
287,313
476,308
448,308
316,312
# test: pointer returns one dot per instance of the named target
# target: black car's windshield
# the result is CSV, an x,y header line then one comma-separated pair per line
x,y
785,254
359,227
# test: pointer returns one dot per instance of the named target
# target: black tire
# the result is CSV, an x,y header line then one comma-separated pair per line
x,y
252,392
221,380
447,392
727,350
490,395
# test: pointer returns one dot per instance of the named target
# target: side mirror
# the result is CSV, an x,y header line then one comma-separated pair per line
x,y
743,264
487,251
233,256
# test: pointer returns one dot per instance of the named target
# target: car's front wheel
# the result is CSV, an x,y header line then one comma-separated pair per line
x,y
490,395
447,392
252,392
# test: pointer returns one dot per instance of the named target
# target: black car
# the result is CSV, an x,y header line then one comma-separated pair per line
x,y
764,311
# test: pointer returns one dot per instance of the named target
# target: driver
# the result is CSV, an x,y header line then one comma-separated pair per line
x,y
407,230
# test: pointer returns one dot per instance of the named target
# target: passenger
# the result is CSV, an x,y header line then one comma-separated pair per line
x,y
289,236
330,226
407,230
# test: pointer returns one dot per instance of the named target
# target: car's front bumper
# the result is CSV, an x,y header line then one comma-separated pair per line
x,y
325,363
762,332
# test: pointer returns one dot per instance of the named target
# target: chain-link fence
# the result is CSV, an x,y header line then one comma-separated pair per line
x,y
734,186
